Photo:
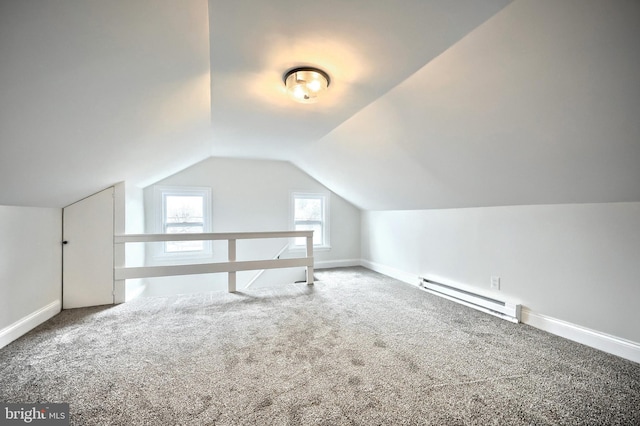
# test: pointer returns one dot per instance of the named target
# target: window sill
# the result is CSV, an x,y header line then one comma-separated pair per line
x,y
302,249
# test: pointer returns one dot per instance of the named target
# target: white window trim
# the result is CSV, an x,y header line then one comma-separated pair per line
x,y
326,213
159,192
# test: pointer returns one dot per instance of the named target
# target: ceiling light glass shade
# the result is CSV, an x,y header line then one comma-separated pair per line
x,y
306,84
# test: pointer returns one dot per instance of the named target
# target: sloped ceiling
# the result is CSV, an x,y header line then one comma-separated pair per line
x,y
433,104
539,105
367,47
97,92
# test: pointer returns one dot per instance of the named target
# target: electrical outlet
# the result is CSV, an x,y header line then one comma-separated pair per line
x,y
495,283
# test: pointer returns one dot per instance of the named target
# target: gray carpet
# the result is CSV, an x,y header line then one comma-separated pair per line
x,y
357,348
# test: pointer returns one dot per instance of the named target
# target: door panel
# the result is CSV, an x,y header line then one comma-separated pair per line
x,y
87,275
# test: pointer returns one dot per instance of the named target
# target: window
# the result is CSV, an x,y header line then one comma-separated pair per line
x,y
310,214
184,210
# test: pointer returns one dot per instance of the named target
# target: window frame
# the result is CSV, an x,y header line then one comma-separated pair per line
x,y
325,223
160,193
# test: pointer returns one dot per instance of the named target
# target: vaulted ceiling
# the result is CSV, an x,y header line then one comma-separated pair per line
x,y
366,47
433,104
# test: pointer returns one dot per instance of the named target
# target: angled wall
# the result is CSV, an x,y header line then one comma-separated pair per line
x,y
97,92
538,105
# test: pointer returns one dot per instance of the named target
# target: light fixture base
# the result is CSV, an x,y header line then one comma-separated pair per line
x,y
306,84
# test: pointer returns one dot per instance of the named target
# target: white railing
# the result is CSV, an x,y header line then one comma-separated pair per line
x,y
231,266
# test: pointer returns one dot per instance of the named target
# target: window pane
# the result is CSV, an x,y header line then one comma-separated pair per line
x,y
184,214
184,209
309,215
308,209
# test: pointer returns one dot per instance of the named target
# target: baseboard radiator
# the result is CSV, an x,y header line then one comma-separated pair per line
x,y
495,307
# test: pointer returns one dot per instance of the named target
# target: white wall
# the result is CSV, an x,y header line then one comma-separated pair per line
x,y
254,195
30,268
578,263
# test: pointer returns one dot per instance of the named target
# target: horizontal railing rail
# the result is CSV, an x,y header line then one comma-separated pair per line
x,y
150,238
230,267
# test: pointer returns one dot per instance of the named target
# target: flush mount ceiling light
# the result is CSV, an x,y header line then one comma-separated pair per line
x,y
306,84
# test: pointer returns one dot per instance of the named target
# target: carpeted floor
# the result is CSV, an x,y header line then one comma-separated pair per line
x,y
357,348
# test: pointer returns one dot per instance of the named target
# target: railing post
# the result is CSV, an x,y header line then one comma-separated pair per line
x,y
310,254
119,261
232,258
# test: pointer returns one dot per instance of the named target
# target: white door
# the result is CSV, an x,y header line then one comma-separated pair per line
x,y
87,267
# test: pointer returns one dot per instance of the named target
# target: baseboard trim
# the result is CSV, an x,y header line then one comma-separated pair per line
x,y
342,263
391,272
28,323
595,339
